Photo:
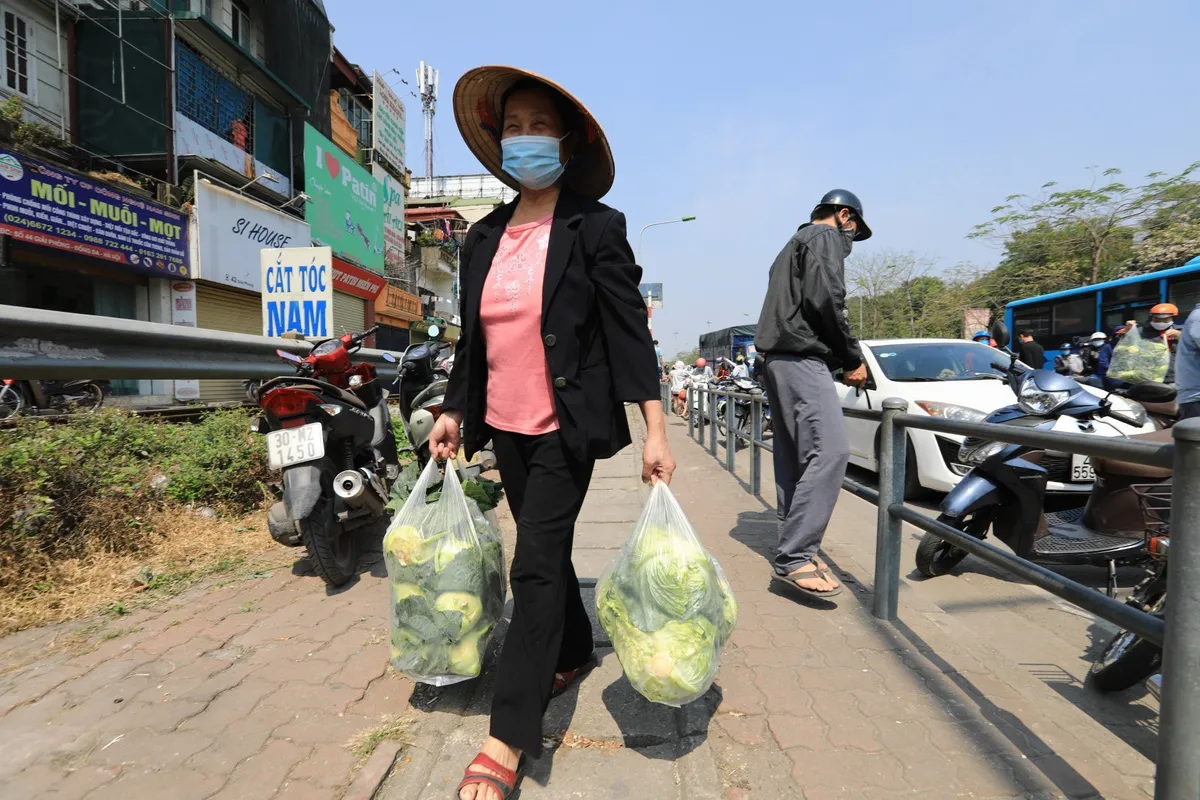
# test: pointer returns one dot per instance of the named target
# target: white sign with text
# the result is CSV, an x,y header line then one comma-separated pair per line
x,y
232,229
297,291
183,312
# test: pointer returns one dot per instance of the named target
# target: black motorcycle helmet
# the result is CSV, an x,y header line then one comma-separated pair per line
x,y
842,198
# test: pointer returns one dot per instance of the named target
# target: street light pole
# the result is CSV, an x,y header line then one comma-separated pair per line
x,y
653,224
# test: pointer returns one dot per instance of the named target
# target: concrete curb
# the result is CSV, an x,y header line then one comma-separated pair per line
x,y
372,775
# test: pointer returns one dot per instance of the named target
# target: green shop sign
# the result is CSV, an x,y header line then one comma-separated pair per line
x,y
346,210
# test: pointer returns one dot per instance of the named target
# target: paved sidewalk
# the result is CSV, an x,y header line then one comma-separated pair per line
x,y
252,689
811,701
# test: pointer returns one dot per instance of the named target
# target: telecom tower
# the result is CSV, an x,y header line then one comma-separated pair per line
x,y
427,83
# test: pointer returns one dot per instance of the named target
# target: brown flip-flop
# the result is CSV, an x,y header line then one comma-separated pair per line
x,y
818,571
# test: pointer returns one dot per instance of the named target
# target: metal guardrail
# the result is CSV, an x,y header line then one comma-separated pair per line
x,y
1178,768
37,344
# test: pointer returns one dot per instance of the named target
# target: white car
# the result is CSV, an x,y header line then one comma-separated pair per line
x,y
957,380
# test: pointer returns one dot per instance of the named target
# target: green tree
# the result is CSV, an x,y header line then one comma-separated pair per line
x,y
1091,225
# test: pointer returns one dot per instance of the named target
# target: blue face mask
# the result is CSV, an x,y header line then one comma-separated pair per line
x,y
532,160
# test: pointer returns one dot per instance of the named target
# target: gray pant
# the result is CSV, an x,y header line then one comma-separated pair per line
x,y
811,452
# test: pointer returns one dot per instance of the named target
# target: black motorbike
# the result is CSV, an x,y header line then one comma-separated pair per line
x,y
32,397
1129,659
1005,491
420,389
329,431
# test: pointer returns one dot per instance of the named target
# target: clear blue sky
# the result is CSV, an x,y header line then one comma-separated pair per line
x,y
744,114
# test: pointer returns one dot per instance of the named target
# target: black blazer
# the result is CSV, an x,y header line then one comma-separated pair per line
x,y
594,328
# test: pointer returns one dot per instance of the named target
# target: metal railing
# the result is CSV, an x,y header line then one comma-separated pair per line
x,y
37,344
1178,768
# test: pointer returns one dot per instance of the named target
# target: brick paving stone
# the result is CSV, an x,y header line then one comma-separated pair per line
x,y
365,666
161,716
738,691
240,740
303,790
328,767
296,695
32,782
81,782
34,686
306,670
178,784
744,728
388,695
341,647
808,732
845,770
783,692
147,749
174,636
317,726
262,774
229,706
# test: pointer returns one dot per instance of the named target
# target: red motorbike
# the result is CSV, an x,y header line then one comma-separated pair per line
x,y
328,430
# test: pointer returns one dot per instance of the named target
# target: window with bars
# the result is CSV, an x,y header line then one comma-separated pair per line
x,y
207,97
18,55
358,114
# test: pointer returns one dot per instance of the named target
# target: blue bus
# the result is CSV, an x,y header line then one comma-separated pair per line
x,y
1062,316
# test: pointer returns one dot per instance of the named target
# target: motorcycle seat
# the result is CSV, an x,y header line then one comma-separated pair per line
x,y
1170,409
1113,466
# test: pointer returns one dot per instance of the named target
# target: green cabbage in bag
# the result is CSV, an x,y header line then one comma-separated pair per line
x,y
1137,359
666,605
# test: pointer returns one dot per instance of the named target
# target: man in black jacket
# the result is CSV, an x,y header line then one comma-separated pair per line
x,y
804,334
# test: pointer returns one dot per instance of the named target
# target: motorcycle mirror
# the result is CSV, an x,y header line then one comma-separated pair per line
x,y
434,331
286,356
1001,334
388,357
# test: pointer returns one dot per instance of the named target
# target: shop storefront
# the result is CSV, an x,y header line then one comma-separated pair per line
x,y
229,231
395,311
354,293
77,245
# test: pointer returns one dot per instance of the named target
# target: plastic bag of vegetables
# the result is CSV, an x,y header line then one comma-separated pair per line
x,y
1136,359
666,605
445,565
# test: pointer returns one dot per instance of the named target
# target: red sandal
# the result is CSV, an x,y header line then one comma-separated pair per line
x,y
503,781
565,680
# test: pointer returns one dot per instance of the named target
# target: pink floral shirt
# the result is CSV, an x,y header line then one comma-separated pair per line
x,y
519,396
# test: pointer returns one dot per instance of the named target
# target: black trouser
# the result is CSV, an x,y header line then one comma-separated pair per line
x,y
1189,410
550,630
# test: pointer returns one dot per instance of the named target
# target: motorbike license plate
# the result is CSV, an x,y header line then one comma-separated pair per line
x,y
295,445
1081,469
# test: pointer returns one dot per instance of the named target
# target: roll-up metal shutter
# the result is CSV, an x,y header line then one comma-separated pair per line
x,y
223,310
349,313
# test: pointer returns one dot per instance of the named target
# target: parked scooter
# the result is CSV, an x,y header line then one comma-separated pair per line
x,y
1157,398
742,409
328,430
1006,488
421,389
30,397
1128,658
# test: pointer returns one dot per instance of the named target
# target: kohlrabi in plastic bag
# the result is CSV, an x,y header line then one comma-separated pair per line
x,y
1137,359
666,605
445,564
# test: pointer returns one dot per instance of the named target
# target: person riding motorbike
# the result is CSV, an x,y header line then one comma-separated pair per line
x,y
678,377
983,337
740,370
1161,328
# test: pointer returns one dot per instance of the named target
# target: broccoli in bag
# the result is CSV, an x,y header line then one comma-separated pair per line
x,y
445,565
666,605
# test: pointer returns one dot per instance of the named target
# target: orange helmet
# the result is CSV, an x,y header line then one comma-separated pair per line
x,y
700,362
1165,310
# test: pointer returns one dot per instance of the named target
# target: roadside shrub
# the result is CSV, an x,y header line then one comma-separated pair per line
x,y
87,485
218,462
